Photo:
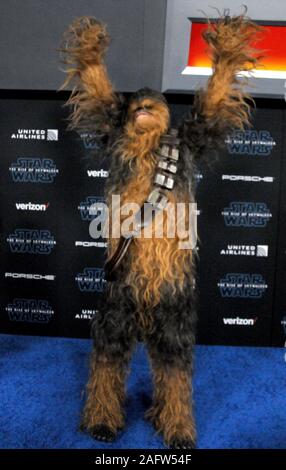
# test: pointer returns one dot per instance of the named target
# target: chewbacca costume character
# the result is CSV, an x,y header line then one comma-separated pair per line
x,y
152,297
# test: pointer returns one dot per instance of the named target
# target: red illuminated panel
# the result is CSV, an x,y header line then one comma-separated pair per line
x,y
272,42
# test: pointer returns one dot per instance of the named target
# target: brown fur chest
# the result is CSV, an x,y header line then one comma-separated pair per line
x,y
152,261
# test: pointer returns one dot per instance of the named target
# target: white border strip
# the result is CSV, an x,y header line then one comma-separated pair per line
x,y
206,71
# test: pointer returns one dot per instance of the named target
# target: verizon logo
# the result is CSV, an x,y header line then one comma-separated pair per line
x,y
97,173
240,321
29,206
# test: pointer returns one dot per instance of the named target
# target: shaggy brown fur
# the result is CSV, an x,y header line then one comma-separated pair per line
x,y
83,49
105,395
153,296
224,98
223,101
145,277
171,413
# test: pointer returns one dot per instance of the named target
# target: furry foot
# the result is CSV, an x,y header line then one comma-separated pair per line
x,y
175,442
181,443
101,432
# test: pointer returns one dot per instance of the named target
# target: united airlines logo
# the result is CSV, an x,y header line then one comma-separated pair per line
x,y
40,242
35,134
245,250
30,310
250,142
91,280
246,286
87,213
33,170
262,251
86,314
246,214
52,134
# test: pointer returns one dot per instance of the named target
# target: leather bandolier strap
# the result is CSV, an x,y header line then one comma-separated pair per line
x,y
168,156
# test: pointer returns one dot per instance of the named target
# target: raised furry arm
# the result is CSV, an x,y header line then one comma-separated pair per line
x,y
222,106
96,107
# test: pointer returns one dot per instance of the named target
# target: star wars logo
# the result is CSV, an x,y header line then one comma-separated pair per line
x,y
33,170
30,241
36,134
91,280
246,214
87,212
247,286
29,310
250,142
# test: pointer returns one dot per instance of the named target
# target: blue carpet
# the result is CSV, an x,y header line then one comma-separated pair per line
x,y
240,396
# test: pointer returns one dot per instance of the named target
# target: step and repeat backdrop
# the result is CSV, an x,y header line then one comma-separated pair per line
x,y
51,269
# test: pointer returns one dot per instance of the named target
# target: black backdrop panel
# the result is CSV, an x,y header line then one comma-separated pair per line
x,y
238,226
51,270
279,311
50,275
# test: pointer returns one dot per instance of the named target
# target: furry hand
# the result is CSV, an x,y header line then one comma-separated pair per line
x,y
85,42
231,37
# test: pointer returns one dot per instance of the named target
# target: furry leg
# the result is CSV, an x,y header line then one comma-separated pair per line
x,y
103,413
170,346
114,334
171,413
